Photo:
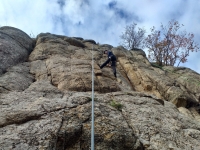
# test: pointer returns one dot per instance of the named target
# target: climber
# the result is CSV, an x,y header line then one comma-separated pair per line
x,y
112,59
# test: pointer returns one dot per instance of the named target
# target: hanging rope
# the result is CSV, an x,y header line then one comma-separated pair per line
x,y
92,126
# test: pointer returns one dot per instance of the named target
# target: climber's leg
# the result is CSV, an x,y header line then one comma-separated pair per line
x,y
105,63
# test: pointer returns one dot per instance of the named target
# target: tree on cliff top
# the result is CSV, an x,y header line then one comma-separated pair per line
x,y
168,45
133,38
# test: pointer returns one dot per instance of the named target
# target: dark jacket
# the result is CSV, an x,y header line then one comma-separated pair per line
x,y
110,54
112,58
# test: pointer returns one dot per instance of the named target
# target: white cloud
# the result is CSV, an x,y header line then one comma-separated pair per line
x,y
103,21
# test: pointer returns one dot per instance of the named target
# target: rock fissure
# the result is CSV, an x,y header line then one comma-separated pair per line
x,y
127,77
5,88
57,133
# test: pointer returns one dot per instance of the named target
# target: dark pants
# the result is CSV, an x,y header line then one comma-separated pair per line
x,y
112,59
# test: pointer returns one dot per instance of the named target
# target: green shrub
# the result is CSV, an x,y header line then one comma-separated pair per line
x,y
116,105
154,64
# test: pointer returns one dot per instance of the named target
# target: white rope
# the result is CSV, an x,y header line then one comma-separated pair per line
x,y
92,126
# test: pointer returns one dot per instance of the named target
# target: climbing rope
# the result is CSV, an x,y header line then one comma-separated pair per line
x,y
92,123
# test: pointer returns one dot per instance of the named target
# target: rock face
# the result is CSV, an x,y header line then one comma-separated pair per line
x,y
45,97
15,46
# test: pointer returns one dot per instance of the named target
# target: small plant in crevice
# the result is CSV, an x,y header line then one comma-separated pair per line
x,y
90,99
116,105
156,65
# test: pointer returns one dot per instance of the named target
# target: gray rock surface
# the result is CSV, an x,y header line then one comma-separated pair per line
x,y
34,120
15,47
21,37
45,103
17,78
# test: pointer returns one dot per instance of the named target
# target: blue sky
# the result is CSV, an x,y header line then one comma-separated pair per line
x,y
104,21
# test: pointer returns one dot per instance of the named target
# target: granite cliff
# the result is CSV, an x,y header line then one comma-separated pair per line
x,y
45,97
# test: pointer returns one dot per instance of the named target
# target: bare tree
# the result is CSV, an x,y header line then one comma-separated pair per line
x,y
133,38
169,45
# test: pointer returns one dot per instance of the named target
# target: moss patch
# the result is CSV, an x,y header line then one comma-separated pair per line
x,y
116,105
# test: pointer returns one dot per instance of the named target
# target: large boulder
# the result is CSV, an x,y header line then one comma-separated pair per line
x,y
18,35
65,63
68,67
17,78
33,119
15,46
187,79
45,103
